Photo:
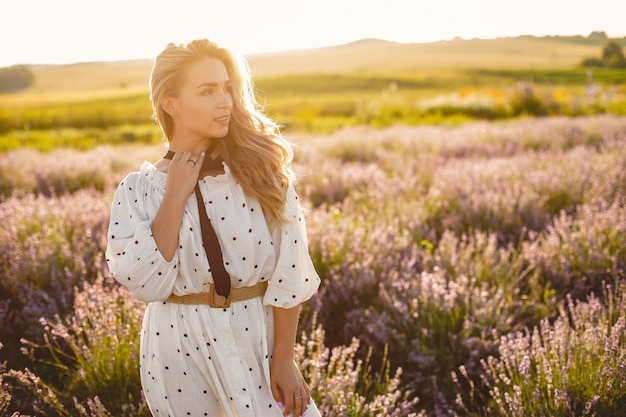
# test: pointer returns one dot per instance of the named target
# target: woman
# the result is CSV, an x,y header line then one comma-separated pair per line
x,y
219,331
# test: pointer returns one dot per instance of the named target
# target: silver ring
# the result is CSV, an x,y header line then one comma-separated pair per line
x,y
191,160
299,397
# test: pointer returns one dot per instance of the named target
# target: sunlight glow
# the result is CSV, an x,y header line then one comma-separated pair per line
x,y
63,31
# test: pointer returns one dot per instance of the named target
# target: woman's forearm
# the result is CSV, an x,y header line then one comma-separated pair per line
x,y
166,226
285,328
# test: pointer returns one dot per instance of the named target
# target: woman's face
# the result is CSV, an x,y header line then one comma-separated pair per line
x,y
204,103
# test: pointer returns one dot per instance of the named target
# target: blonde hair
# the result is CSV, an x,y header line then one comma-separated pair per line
x,y
254,150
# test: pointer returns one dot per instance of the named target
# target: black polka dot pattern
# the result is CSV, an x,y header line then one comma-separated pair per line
x,y
185,348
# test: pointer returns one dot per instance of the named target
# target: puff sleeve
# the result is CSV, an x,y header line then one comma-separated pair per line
x,y
132,254
295,279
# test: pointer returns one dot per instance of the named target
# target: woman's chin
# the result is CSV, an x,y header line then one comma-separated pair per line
x,y
218,133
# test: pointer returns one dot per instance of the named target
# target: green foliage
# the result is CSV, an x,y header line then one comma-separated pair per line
x,y
80,139
571,77
96,354
5,395
617,107
612,57
328,102
339,83
92,113
15,78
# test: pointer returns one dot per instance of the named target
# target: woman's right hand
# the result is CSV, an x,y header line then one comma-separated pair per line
x,y
182,175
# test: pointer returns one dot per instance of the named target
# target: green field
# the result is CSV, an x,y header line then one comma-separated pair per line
x,y
370,82
327,102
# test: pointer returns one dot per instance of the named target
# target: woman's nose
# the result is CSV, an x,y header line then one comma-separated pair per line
x,y
226,100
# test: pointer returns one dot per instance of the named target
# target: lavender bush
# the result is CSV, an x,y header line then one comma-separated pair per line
x,y
478,222
438,247
47,246
575,366
344,385
94,352
577,253
5,396
67,170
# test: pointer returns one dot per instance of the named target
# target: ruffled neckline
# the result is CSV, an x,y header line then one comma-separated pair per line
x,y
154,174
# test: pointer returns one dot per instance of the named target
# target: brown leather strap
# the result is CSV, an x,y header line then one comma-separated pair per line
x,y
236,294
212,249
209,238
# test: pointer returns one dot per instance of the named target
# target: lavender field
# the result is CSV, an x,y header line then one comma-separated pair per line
x,y
472,270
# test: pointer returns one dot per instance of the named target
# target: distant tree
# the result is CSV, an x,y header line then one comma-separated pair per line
x,y
613,56
598,35
592,63
15,78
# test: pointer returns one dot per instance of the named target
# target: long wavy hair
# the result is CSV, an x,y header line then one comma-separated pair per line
x,y
254,150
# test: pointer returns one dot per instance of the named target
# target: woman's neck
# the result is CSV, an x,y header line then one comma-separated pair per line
x,y
196,147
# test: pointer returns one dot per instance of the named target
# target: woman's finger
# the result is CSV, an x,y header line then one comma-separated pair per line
x,y
187,162
299,405
199,161
289,405
188,158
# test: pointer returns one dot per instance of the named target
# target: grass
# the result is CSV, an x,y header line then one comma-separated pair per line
x,y
328,102
86,113
81,139
327,88
571,77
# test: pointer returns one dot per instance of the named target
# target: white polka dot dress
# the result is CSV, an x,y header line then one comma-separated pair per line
x,y
197,360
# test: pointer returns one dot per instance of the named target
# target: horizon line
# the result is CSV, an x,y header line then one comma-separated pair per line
x,y
309,48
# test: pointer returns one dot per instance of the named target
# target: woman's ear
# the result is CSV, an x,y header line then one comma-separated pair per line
x,y
168,104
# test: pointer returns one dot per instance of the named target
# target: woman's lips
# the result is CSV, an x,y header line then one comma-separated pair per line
x,y
223,120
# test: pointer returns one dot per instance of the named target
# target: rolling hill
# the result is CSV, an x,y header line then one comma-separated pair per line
x,y
368,55
378,55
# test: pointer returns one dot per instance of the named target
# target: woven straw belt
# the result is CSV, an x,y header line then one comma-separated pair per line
x,y
213,299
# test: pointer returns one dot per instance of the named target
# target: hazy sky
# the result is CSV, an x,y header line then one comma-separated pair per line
x,y
64,31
